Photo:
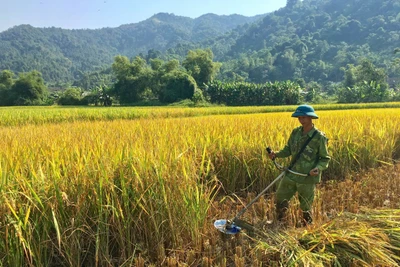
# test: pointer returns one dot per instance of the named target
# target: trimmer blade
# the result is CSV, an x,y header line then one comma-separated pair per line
x,y
226,227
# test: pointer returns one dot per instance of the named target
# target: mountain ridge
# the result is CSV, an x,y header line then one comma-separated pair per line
x,y
69,52
313,40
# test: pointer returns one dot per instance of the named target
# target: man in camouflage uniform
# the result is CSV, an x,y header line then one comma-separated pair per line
x,y
312,161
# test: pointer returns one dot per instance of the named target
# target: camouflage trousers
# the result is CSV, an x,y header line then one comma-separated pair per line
x,y
287,189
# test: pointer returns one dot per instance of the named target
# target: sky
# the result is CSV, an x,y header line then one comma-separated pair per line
x,y
95,14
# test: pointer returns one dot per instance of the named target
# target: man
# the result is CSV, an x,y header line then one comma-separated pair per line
x,y
312,161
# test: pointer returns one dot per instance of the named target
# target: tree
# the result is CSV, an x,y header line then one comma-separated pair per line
x,y
156,63
364,83
30,89
133,78
101,95
6,83
177,85
6,78
152,54
71,96
313,92
395,72
171,65
89,81
121,67
367,72
350,78
199,64
159,70
285,64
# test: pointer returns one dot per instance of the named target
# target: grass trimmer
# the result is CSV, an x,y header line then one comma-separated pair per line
x,y
235,225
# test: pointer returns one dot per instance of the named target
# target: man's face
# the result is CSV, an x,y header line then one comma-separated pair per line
x,y
305,120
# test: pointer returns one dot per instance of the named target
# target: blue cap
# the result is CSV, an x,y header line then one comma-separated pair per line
x,y
305,110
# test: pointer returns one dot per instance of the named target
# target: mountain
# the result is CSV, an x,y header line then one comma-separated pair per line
x,y
314,39
64,55
310,40
356,22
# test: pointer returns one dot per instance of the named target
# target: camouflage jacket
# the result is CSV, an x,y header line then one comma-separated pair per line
x,y
314,155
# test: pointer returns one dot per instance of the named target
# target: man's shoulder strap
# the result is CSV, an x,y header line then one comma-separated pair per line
x,y
302,148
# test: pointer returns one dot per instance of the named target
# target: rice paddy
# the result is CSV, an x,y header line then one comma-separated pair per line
x,y
142,187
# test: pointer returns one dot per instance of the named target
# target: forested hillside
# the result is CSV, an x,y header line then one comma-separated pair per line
x,y
64,55
309,40
314,39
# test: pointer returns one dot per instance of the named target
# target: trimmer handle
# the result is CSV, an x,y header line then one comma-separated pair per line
x,y
282,168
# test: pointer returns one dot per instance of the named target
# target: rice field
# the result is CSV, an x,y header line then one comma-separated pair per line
x,y
15,116
142,187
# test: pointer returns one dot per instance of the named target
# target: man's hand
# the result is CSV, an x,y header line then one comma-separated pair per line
x,y
272,155
314,172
